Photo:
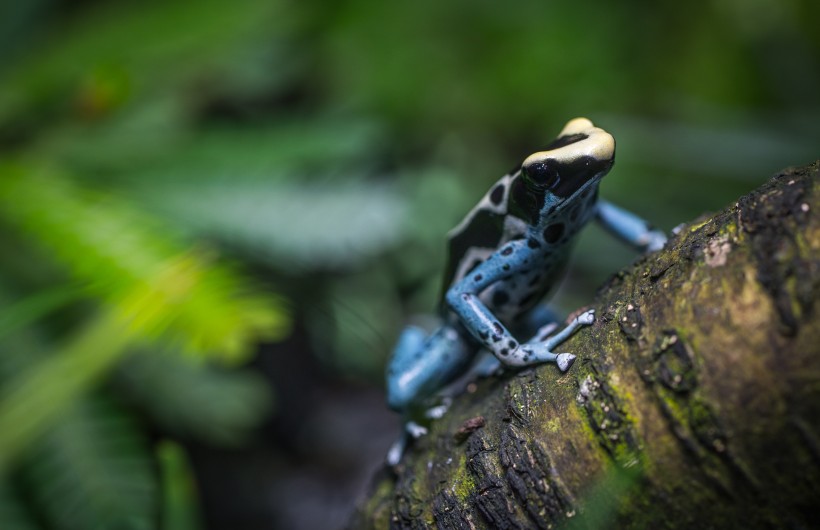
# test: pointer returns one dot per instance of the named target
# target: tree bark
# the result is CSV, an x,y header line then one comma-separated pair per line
x,y
694,402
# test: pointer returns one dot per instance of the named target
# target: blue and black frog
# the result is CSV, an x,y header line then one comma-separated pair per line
x,y
506,255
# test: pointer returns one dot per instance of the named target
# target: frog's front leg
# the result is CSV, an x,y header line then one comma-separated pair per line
x,y
629,227
538,324
463,299
564,360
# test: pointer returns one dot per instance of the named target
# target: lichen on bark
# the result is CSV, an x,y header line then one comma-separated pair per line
x,y
694,402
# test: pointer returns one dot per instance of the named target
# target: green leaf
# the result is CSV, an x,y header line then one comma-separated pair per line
x,y
35,307
154,284
93,470
153,287
35,398
13,512
325,225
195,400
354,329
599,506
143,42
180,510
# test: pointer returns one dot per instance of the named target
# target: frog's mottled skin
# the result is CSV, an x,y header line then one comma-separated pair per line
x,y
505,256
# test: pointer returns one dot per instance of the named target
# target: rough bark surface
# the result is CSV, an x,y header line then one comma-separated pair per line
x,y
695,402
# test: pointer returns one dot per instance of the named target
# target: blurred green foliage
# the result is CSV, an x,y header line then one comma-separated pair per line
x,y
155,153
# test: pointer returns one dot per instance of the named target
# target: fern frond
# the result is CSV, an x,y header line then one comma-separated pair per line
x,y
153,288
34,307
35,398
93,470
157,286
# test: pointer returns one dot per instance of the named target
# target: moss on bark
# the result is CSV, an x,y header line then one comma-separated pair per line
x,y
694,403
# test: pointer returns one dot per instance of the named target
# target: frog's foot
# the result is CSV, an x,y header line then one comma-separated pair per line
x,y
438,412
414,430
411,431
396,451
655,240
540,350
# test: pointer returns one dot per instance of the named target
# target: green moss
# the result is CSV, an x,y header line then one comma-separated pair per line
x,y
607,418
463,483
378,505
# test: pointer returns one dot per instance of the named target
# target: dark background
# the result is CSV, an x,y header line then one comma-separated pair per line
x,y
263,189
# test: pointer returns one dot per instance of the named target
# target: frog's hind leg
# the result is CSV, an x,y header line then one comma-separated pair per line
x,y
421,365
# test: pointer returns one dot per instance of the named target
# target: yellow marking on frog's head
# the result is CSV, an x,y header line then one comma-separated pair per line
x,y
581,152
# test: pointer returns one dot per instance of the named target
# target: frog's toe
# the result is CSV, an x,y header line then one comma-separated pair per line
x,y
564,361
396,452
657,240
438,412
587,317
415,430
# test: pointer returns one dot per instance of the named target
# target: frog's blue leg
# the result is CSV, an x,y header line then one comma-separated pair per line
x,y
584,319
421,365
463,299
538,324
629,227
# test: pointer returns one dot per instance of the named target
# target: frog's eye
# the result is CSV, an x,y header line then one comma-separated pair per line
x,y
580,153
546,171
543,173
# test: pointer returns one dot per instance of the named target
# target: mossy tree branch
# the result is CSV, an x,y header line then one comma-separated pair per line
x,y
694,403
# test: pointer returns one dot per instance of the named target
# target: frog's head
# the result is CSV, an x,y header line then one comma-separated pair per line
x,y
580,157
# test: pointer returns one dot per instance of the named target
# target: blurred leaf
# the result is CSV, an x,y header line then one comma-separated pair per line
x,y
316,226
144,41
179,504
223,155
36,398
193,400
353,330
599,507
153,287
100,149
734,150
13,513
156,287
93,470
35,307
155,142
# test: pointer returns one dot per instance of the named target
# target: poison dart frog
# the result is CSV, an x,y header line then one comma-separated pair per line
x,y
506,255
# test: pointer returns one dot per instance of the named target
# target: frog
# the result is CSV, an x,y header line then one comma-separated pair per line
x,y
505,257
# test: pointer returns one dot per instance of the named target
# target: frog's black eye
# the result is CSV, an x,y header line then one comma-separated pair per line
x,y
543,173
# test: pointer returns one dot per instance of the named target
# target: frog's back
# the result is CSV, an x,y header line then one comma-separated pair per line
x,y
482,231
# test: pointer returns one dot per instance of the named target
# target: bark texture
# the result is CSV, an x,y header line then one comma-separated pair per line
x,y
695,401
